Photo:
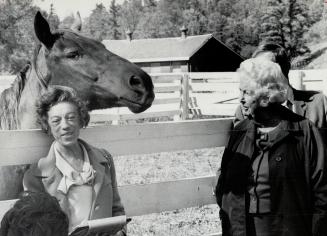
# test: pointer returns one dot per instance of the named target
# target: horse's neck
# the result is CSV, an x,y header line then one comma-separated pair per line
x,y
34,86
26,109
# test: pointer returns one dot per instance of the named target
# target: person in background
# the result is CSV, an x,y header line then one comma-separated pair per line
x,y
310,104
273,175
35,214
80,176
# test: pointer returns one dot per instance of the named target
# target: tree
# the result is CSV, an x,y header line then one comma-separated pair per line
x,y
285,22
318,31
242,29
131,13
173,12
295,25
16,34
150,4
53,19
195,18
97,25
67,22
114,32
234,33
272,27
316,9
155,24
217,24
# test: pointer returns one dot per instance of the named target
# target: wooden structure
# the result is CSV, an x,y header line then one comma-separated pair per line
x,y
181,95
140,139
200,53
169,101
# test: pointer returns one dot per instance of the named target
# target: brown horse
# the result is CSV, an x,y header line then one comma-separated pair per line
x,y
67,58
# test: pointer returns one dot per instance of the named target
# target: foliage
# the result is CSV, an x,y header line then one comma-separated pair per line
x,y
316,9
67,22
98,24
240,24
155,25
130,15
285,22
114,32
296,24
16,34
53,19
272,28
318,16
195,18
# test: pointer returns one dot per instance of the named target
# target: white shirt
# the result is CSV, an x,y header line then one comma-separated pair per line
x,y
78,187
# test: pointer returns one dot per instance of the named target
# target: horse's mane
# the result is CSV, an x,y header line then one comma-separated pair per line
x,y
9,100
10,97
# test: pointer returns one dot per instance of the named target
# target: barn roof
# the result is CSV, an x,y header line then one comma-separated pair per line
x,y
158,49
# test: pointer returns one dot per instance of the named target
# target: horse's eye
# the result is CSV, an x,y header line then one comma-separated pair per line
x,y
73,55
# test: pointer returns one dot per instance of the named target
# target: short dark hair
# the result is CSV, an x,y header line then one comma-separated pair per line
x,y
35,214
281,55
55,95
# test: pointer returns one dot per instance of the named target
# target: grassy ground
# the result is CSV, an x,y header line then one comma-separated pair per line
x,y
141,169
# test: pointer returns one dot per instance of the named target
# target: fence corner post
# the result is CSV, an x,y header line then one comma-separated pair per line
x,y
298,80
324,86
185,96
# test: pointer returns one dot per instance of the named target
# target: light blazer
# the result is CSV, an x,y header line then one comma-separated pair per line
x,y
45,176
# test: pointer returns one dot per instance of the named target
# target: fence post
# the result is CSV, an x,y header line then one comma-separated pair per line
x,y
185,96
324,86
116,121
178,94
296,79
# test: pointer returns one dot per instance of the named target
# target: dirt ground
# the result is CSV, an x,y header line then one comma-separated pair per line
x,y
142,169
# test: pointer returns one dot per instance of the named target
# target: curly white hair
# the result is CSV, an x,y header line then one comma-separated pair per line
x,y
264,79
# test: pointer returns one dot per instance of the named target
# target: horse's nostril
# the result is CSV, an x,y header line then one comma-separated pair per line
x,y
135,81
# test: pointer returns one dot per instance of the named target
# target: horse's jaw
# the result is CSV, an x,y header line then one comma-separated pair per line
x,y
26,115
136,107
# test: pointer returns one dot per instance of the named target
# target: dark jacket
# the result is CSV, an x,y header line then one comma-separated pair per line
x,y
297,175
310,104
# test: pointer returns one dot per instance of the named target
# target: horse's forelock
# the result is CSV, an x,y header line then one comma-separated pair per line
x,y
78,38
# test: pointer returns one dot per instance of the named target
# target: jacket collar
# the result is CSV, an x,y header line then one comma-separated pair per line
x,y
250,135
51,176
47,164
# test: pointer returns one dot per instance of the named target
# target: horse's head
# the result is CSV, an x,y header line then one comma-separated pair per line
x,y
99,76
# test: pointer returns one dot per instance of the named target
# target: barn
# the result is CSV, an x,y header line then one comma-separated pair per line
x,y
200,53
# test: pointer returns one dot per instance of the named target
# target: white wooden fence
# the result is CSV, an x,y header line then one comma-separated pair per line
x,y
183,95
169,91
134,139
217,93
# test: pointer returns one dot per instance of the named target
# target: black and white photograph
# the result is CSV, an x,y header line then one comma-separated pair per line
x,y
163,117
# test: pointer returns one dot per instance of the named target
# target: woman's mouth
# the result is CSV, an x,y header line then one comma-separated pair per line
x,y
67,134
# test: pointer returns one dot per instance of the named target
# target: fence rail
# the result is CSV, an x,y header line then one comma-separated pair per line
x,y
182,95
140,139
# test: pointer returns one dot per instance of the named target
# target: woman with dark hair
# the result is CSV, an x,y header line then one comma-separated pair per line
x,y
273,176
35,214
80,176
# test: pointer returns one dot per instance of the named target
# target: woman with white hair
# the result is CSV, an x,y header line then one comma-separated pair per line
x,y
273,178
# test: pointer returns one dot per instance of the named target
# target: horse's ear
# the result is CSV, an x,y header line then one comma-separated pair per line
x,y
77,24
42,31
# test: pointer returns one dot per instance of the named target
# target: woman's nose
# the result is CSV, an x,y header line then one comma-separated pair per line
x,y
64,124
241,97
